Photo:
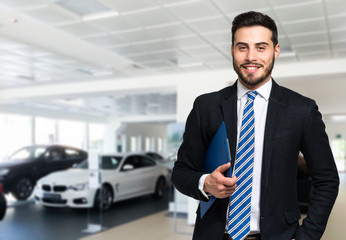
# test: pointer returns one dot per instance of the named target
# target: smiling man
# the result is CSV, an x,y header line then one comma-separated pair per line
x,y
268,126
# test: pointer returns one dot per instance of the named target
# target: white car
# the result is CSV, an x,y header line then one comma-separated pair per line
x,y
122,176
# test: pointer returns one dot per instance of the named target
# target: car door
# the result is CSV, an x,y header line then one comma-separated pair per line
x,y
54,160
148,173
71,156
131,180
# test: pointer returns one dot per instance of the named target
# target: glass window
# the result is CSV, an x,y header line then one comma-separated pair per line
x,y
339,151
72,133
15,133
133,144
27,153
154,155
45,131
72,154
146,162
110,162
96,136
159,144
56,155
147,146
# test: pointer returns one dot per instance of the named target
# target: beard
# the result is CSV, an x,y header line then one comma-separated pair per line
x,y
250,79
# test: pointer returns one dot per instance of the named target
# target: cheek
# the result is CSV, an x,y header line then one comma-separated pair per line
x,y
237,59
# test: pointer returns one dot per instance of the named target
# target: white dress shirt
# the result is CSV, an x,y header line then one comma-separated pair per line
x,y
260,110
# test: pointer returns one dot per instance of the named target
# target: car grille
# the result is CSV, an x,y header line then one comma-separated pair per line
x,y
56,201
55,188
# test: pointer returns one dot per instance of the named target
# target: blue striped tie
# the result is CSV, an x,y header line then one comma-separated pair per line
x,y
240,206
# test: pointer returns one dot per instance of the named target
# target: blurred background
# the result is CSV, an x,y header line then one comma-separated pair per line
x,y
120,76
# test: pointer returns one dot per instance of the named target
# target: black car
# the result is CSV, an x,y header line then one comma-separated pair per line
x,y
3,204
19,173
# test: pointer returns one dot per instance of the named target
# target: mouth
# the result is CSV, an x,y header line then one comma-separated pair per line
x,y
251,68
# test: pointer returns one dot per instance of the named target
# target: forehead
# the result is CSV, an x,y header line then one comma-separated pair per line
x,y
253,34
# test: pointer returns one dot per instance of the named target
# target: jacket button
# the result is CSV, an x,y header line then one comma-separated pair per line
x,y
262,218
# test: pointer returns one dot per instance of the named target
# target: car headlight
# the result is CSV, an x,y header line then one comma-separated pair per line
x,y
79,187
39,185
4,172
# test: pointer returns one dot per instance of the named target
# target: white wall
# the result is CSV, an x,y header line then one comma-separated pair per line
x,y
336,128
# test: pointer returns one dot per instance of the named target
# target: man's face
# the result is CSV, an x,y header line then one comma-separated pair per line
x,y
254,55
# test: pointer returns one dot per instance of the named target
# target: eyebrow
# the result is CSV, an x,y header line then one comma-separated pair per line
x,y
246,44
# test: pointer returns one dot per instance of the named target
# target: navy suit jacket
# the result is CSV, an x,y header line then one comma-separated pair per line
x,y
293,125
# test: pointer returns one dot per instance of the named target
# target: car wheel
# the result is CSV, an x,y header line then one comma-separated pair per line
x,y
103,199
23,189
160,188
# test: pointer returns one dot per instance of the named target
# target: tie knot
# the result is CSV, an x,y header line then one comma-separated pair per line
x,y
252,95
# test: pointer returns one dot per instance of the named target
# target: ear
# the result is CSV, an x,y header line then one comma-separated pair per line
x,y
277,51
232,53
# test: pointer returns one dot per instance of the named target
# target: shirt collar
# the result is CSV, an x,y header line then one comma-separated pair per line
x,y
263,90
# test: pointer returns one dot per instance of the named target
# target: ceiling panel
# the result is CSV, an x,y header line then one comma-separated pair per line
x,y
166,31
309,38
115,24
338,35
130,5
106,40
235,6
335,7
337,23
301,11
159,45
339,46
81,29
50,14
146,18
188,11
305,26
306,48
155,36
21,5
218,37
217,23
185,41
200,50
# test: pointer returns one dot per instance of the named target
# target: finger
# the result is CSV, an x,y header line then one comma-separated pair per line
x,y
230,182
223,167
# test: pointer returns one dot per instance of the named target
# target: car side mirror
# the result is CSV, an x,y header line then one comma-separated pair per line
x,y
128,167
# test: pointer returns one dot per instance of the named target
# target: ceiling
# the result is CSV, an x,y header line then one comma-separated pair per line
x,y
51,41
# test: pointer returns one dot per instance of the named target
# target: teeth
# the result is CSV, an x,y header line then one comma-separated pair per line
x,y
252,68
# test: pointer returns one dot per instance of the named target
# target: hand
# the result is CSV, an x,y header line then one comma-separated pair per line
x,y
218,185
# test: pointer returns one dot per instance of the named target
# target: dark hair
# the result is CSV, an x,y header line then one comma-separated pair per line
x,y
253,18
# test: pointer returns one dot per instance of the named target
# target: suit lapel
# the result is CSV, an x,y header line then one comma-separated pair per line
x,y
273,117
229,110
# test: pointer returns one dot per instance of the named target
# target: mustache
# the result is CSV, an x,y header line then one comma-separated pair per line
x,y
250,63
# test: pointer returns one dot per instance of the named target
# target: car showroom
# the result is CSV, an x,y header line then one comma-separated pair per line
x,y
95,95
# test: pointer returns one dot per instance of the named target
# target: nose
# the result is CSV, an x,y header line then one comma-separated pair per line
x,y
251,55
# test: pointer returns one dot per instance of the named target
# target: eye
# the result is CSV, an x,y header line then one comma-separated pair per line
x,y
261,48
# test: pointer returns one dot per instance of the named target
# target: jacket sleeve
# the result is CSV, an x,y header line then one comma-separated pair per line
x,y
188,168
316,150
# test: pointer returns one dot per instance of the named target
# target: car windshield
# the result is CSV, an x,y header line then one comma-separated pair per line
x,y
27,154
108,162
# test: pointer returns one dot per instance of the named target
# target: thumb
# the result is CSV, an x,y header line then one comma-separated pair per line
x,y
223,167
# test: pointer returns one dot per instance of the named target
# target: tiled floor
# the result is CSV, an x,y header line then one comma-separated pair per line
x,y
162,227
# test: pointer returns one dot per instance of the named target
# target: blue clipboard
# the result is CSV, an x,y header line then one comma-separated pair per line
x,y
218,153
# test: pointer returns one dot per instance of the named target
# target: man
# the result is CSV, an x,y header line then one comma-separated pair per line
x,y
283,124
